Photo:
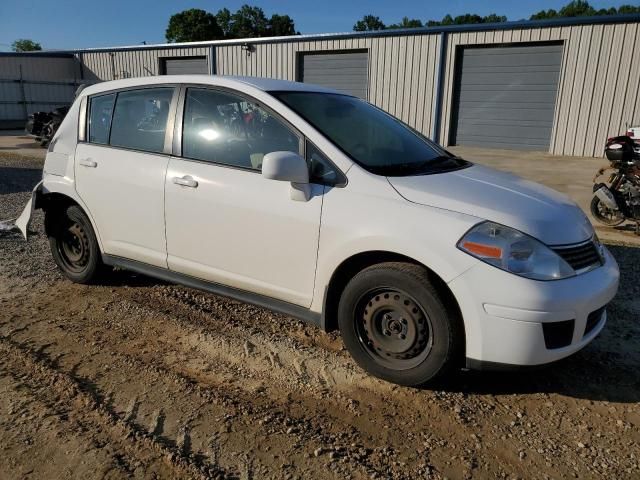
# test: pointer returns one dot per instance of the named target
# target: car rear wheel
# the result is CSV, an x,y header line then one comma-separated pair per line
x,y
73,244
397,326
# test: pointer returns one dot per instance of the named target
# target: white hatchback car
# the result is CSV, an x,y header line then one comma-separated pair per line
x,y
321,206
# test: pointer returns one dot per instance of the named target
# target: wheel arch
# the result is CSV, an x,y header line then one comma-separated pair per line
x,y
358,262
55,200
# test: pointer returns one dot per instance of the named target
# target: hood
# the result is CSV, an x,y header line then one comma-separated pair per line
x,y
501,197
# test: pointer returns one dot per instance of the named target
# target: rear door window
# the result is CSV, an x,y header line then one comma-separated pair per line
x,y
140,119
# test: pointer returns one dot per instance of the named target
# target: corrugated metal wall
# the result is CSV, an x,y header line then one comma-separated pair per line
x,y
597,96
47,83
402,70
598,92
132,63
39,68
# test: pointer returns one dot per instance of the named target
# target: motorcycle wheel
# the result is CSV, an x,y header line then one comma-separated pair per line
x,y
604,214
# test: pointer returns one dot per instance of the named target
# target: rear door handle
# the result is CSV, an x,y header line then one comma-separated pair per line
x,y
87,162
185,181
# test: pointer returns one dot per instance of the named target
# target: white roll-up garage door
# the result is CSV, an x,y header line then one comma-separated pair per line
x,y
505,96
184,66
346,72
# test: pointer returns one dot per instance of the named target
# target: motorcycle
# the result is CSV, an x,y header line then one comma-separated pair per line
x,y
618,201
35,122
44,125
50,128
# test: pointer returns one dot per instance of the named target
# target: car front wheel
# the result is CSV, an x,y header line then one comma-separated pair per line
x,y
397,326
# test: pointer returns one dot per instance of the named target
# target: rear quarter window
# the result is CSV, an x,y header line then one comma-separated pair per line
x,y
101,111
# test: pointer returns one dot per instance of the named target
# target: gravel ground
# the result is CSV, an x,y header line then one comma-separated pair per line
x,y
135,378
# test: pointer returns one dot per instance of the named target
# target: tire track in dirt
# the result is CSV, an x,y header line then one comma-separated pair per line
x,y
192,416
57,391
224,385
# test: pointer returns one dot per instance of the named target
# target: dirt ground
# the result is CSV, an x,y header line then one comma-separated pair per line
x,y
135,378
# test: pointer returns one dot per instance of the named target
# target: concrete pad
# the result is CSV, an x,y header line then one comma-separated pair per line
x,y
15,141
570,175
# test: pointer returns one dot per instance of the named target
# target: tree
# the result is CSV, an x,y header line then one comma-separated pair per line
x,y
494,18
369,23
581,8
577,8
281,25
25,45
407,23
224,21
626,9
193,25
544,14
466,19
249,22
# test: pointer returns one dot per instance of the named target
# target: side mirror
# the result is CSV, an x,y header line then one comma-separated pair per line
x,y
286,167
289,167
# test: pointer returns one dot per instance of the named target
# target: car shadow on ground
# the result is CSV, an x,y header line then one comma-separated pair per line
x,y
19,146
17,180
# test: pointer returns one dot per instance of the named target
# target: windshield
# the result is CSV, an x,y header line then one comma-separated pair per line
x,y
374,139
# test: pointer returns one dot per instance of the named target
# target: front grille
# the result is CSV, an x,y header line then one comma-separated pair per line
x,y
593,319
558,334
580,256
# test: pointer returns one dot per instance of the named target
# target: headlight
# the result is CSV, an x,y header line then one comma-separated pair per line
x,y
515,252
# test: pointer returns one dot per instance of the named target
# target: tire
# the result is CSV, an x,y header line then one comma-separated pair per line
x,y
73,244
396,325
605,215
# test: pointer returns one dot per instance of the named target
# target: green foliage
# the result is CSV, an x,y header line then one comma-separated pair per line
x,y
197,25
626,9
582,8
250,21
466,19
575,8
407,23
193,25
369,23
224,21
25,45
281,25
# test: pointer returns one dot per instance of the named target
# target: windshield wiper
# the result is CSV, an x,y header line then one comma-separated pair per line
x,y
433,165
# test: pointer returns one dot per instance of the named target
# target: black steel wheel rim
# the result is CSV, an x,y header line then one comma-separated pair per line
x,y
393,328
73,248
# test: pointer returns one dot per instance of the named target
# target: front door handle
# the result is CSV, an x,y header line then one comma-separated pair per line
x,y
87,162
185,181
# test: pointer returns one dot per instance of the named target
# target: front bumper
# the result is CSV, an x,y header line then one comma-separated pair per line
x,y
504,313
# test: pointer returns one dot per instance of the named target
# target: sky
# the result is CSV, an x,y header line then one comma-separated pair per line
x,y
68,24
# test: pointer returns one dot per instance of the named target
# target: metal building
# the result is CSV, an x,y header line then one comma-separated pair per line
x,y
561,86
31,82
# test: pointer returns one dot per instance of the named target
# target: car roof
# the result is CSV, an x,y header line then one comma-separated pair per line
x,y
238,82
